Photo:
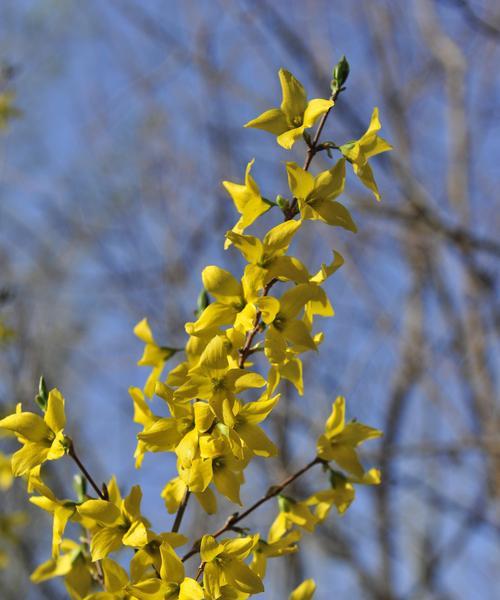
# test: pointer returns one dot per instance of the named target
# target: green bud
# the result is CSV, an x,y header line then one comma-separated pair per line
x,y
284,503
202,302
80,487
43,395
340,74
282,202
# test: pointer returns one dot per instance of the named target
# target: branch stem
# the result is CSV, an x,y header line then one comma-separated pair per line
x,y
273,491
180,512
85,473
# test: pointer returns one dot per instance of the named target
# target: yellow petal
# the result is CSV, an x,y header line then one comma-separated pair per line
x,y
215,354
115,576
54,415
28,425
100,511
288,268
315,109
305,591
298,333
249,246
272,120
221,284
240,576
172,568
210,548
269,308
143,331
365,174
215,315
336,421
328,270
191,590
173,493
301,182
280,237
294,101
207,501
228,483
104,541
287,139
28,457
328,184
137,535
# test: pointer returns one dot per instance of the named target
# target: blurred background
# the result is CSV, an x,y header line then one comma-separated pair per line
x,y
130,115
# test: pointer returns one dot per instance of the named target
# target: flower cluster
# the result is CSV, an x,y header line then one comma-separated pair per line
x,y
251,331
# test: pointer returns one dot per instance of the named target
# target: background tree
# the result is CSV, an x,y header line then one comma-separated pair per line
x,y
131,117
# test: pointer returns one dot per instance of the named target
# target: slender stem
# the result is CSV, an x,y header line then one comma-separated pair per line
x,y
180,512
86,474
271,493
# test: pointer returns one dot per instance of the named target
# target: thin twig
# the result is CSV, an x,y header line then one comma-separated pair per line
x,y
180,512
237,517
87,475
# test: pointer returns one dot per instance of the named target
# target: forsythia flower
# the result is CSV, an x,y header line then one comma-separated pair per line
x,y
264,550
224,565
42,438
268,256
341,494
247,200
294,116
315,195
154,355
172,584
291,513
359,151
73,564
340,440
116,522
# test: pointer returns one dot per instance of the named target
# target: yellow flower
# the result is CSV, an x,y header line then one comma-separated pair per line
x,y
247,200
73,564
246,429
62,511
6,477
42,438
287,327
359,151
341,494
264,550
305,591
172,583
315,195
340,440
222,466
214,381
294,116
223,565
291,513
236,302
154,355
268,255
116,522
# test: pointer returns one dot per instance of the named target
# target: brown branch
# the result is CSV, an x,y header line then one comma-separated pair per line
x,y
237,517
180,512
72,452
